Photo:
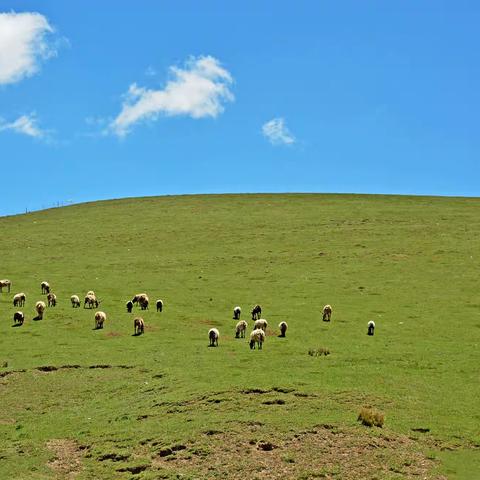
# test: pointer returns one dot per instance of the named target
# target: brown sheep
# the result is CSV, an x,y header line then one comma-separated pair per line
x,y
256,312
5,283
19,300
40,308
18,318
138,296
129,306
45,287
327,313
100,318
143,302
240,329
138,326
52,300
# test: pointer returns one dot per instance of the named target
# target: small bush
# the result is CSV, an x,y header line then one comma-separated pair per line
x,y
371,417
318,352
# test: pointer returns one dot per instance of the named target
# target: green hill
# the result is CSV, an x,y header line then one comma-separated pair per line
x,y
164,405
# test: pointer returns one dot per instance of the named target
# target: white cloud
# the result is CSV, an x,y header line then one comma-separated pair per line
x,y
277,132
26,125
23,45
198,90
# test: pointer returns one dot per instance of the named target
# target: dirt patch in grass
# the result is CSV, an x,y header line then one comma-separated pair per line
x,y
67,461
321,452
114,334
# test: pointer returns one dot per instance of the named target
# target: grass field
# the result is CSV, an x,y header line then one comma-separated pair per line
x,y
164,405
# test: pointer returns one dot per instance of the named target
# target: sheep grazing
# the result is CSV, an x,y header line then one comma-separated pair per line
x,y
138,296
91,301
5,283
138,326
52,300
159,305
371,328
257,336
129,306
75,301
143,302
240,329
45,287
40,308
213,335
327,313
19,300
100,318
283,328
256,312
236,313
18,318
260,323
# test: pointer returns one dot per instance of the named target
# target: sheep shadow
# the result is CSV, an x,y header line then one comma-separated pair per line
x,y
37,318
137,334
97,328
213,346
281,336
17,325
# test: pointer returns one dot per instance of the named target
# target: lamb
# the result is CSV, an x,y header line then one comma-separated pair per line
x,y
18,318
5,283
138,326
100,317
40,308
75,301
283,328
213,335
19,300
327,313
159,304
236,313
371,328
91,301
129,306
256,312
260,323
45,287
52,300
240,329
257,336
143,302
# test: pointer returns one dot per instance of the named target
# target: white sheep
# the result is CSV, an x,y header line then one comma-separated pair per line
x,y
213,335
371,327
138,326
45,287
100,318
18,318
90,292
327,313
19,300
52,300
138,296
260,323
257,336
236,313
5,283
283,328
75,301
91,301
240,329
40,308
159,304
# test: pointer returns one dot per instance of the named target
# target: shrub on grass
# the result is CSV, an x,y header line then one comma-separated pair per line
x,y
371,417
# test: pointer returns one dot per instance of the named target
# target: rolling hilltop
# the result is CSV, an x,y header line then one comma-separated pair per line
x,y
83,403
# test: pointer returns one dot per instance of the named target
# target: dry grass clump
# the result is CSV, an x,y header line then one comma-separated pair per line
x,y
371,417
318,352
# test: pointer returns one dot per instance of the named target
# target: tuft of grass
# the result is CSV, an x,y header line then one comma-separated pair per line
x,y
318,352
371,417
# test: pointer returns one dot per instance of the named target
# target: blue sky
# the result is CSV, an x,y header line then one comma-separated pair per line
x,y
128,98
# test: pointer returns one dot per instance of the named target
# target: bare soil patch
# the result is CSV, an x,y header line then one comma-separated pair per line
x,y
67,462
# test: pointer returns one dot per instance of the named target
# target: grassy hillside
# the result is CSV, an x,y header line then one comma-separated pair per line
x,y
163,404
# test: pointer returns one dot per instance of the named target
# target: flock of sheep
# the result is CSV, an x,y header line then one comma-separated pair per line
x,y
257,336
